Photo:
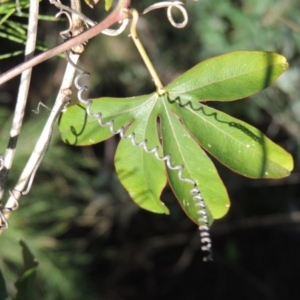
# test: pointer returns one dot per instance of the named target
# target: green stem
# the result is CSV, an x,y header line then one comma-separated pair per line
x,y
142,51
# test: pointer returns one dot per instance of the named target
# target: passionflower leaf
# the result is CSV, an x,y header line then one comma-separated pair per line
x,y
160,133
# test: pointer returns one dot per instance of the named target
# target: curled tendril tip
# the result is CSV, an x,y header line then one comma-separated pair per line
x,y
170,5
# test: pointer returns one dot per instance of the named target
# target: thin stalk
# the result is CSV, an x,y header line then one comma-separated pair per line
x,y
142,51
22,95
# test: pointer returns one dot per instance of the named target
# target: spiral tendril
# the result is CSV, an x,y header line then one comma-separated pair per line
x,y
195,192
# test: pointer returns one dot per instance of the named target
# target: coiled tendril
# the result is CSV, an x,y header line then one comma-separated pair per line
x,y
195,192
205,239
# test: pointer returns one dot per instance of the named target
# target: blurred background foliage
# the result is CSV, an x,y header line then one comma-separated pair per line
x,y
91,240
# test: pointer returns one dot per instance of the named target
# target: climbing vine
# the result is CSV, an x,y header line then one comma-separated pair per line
x,y
165,136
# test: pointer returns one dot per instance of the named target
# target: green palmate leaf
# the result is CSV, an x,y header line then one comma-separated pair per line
x,y
228,77
177,124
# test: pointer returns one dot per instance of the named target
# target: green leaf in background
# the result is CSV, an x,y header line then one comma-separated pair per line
x,y
30,262
178,125
3,293
12,26
26,283
228,77
108,4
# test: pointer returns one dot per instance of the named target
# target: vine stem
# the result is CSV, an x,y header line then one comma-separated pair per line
x,y
133,33
22,95
115,16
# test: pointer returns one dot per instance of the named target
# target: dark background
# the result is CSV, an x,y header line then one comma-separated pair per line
x,y
91,240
